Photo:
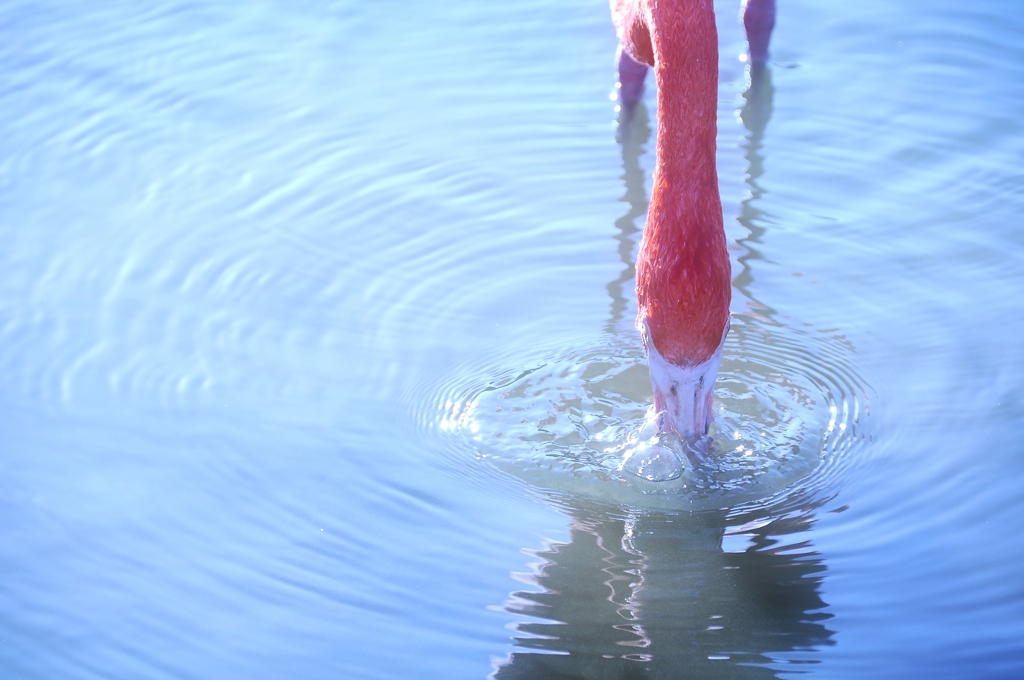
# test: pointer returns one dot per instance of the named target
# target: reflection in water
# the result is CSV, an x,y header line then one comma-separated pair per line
x,y
654,595
643,594
634,131
755,115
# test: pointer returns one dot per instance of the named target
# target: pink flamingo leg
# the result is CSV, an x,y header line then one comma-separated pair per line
x,y
759,20
631,79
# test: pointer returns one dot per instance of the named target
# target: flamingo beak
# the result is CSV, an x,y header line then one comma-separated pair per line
x,y
684,394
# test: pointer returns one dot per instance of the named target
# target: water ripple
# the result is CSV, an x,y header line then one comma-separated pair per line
x,y
791,413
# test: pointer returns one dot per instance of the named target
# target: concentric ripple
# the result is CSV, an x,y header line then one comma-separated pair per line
x,y
789,410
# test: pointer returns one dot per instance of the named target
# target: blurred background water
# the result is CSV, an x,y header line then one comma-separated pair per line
x,y
274,275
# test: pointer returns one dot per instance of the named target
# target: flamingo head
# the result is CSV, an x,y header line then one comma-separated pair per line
x,y
683,392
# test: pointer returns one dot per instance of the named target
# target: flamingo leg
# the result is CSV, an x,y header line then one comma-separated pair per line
x,y
631,79
759,20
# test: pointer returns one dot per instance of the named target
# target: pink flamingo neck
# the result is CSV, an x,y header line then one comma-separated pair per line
x,y
683,278
683,272
685,42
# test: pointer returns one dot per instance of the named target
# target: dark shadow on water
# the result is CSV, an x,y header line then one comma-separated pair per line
x,y
638,594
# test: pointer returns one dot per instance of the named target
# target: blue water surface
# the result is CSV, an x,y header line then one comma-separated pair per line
x,y
317,352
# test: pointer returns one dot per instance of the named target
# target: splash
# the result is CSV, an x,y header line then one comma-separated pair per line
x,y
787,406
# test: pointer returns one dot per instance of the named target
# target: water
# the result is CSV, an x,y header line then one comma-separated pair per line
x,y
273,279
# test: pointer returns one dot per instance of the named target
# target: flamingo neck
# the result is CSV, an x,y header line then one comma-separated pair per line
x,y
685,41
683,275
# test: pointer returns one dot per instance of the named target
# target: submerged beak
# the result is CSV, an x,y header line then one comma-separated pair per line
x,y
683,393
